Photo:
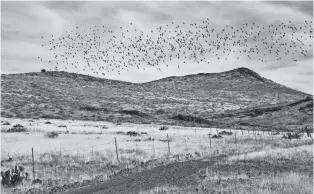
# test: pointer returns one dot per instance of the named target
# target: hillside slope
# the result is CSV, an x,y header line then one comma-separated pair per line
x,y
73,96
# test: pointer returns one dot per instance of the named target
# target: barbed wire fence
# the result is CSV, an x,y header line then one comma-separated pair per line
x,y
103,161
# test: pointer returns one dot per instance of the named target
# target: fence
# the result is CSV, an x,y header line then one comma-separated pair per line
x,y
103,161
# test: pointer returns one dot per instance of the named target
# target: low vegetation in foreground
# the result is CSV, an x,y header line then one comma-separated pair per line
x,y
256,161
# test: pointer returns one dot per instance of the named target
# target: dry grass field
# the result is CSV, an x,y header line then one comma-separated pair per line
x,y
85,153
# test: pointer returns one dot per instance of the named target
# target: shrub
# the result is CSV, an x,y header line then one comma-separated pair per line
x,y
47,122
133,133
160,111
163,128
92,108
120,133
51,135
6,123
17,128
104,127
292,136
225,133
217,137
190,118
133,112
43,70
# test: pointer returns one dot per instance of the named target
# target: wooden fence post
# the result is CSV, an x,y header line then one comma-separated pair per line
x,y
235,138
186,146
154,148
60,155
115,141
168,144
33,164
92,153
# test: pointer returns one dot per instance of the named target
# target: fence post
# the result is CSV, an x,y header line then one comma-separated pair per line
x,y
33,164
56,172
92,153
154,148
235,138
210,142
115,141
168,144
60,156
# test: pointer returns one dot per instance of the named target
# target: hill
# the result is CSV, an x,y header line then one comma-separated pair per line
x,y
202,99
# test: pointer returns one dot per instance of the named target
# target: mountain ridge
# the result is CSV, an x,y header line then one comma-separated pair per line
x,y
66,95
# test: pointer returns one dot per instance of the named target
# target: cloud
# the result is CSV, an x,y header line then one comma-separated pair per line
x,y
23,24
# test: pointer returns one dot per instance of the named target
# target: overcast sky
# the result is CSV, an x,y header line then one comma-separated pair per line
x,y
23,24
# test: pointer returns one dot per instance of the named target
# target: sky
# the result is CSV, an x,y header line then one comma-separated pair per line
x,y
23,23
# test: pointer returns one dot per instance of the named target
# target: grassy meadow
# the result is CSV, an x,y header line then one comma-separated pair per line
x,y
88,153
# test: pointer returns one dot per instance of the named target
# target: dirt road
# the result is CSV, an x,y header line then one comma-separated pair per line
x,y
173,174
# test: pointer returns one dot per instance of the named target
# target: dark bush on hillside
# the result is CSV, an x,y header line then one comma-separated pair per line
x,y
92,108
292,136
225,133
48,116
132,133
43,70
132,112
51,135
163,128
190,118
17,128
144,133
47,122
160,111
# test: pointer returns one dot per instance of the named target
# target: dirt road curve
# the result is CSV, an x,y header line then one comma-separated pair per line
x,y
174,174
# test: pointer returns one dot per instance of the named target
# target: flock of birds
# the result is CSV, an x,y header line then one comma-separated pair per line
x,y
104,51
